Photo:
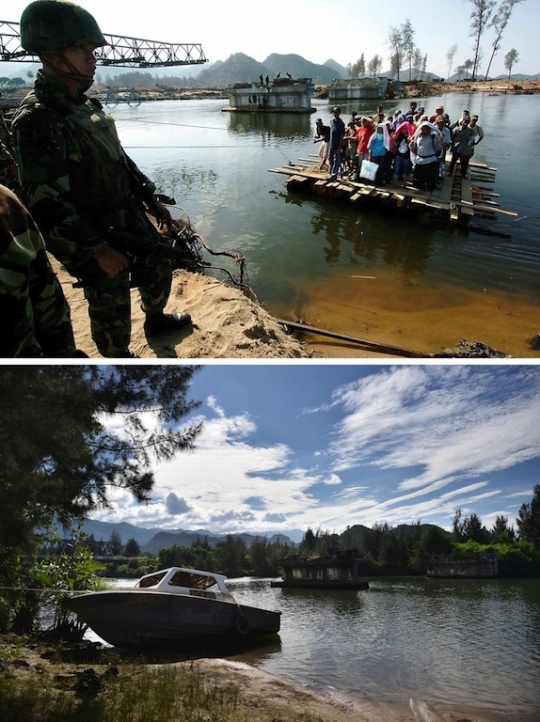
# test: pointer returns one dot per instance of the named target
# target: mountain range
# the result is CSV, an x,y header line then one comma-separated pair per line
x,y
154,539
237,68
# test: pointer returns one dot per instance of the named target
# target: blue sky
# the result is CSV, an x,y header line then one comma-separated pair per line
x,y
316,29
292,446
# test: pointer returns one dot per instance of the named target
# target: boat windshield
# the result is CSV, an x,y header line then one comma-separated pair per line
x,y
193,581
181,578
151,580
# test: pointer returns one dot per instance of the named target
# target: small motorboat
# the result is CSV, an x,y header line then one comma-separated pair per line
x,y
172,608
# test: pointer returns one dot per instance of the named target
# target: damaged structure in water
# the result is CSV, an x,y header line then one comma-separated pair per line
x,y
471,565
281,95
339,571
341,91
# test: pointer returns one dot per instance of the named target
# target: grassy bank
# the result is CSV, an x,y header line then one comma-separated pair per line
x,y
46,682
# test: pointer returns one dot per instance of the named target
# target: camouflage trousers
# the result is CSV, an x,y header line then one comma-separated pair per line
x,y
34,314
109,305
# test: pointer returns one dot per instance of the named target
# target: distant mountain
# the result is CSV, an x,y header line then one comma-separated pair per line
x,y
240,68
354,534
166,539
299,67
514,76
236,69
154,539
414,74
339,70
102,530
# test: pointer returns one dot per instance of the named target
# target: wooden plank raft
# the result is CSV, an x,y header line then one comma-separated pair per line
x,y
455,200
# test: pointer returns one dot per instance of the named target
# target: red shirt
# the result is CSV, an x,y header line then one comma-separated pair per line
x,y
363,134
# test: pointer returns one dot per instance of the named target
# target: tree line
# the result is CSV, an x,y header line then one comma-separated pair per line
x,y
384,550
407,549
405,53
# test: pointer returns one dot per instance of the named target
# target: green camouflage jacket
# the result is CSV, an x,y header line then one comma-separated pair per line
x,y
8,174
77,180
34,315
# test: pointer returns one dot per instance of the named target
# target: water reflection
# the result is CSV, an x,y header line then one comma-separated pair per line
x,y
412,637
363,236
271,125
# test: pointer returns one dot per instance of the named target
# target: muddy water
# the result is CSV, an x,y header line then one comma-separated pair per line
x,y
364,272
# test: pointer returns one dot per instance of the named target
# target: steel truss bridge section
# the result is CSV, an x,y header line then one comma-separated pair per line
x,y
121,51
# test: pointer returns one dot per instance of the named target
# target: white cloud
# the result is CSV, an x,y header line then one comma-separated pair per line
x,y
412,443
333,480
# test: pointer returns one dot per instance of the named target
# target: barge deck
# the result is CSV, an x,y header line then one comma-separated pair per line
x,y
457,200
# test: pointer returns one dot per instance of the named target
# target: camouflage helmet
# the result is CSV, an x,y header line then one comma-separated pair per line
x,y
50,25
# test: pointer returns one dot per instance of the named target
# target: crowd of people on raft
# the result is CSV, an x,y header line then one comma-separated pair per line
x,y
400,145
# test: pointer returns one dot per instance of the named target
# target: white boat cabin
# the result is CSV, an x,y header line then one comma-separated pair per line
x,y
187,581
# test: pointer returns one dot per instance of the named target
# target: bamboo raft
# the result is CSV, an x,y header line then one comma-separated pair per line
x,y
456,201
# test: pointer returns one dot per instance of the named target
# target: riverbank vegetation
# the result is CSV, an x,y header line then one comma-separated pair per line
x,y
80,683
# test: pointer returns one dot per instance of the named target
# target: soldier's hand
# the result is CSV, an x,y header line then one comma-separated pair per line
x,y
160,213
110,261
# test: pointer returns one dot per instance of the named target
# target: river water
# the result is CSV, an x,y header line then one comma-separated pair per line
x,y
367,273
448,642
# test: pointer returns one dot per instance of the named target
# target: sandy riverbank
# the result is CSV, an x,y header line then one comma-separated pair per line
x,y
419,89
226,324
259,697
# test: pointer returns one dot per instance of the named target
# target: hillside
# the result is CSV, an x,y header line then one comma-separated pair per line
x,y
166,540
153,540
298,67
236,69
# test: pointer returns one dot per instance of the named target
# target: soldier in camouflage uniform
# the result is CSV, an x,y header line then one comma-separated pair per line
x,y
34,315
78,182
8,170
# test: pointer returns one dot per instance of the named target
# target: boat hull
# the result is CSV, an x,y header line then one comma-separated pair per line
x,y
135,620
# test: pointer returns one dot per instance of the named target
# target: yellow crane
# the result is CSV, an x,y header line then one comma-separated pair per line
x,y
122,51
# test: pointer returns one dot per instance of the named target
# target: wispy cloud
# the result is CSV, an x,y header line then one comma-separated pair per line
x,y
410,443
443,423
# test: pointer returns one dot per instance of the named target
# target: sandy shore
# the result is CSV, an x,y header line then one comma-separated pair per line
x,y
259,696
226,324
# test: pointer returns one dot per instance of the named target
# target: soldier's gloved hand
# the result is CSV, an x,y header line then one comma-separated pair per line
x,y
110,261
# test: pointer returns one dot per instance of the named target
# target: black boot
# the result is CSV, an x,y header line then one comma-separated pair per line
x,y
162,322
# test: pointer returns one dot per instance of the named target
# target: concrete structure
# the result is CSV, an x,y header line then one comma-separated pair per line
x,y
341,91
282,95
340,571
476,565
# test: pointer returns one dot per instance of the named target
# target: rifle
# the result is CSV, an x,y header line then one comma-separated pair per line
x,y
139,250
182,248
